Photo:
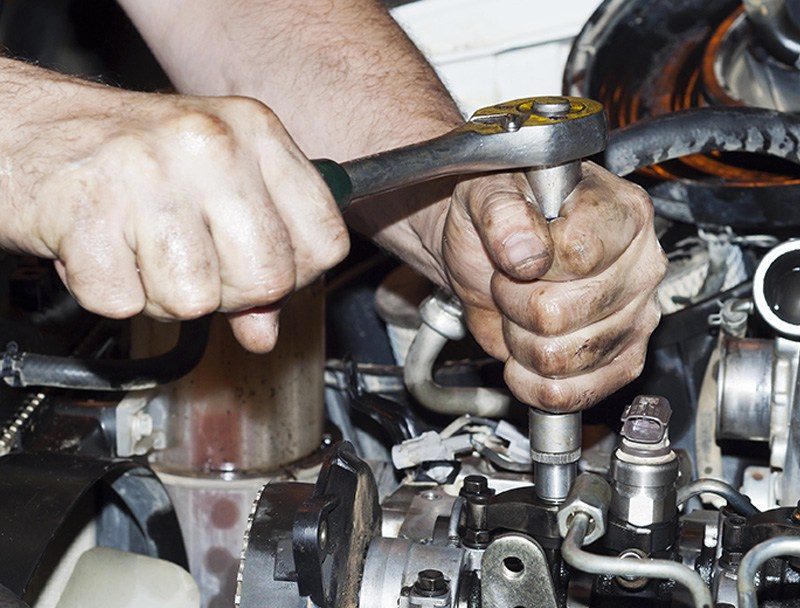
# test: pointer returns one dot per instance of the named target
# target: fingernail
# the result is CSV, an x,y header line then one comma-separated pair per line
x,y
523,249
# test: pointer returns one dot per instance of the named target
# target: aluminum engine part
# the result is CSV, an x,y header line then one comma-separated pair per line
x,y
515,572
392,567
745,388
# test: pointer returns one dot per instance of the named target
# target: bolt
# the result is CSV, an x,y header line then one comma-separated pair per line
x,y
475,485
551,107
431,583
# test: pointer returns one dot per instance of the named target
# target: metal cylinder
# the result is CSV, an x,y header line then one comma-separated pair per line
x,y
744,388
553,481
555,451
776,288
239,413
233,424
644,491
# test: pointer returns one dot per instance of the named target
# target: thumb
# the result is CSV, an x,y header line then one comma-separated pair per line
x,y
512,228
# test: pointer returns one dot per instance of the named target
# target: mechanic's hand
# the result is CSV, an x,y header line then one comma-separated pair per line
x,y
175,206
569,305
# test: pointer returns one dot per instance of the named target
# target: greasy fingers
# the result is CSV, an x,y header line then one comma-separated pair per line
x,y
597,224
512,229
552,308
578,392
587,348
575,328
179,207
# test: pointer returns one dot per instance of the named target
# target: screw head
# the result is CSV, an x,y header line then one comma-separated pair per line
x,y
551,107
431,583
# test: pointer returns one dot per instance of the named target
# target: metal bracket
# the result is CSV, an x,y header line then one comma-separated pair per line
x,y
515,572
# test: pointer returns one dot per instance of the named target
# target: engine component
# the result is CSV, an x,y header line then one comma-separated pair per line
x,y
630,568
29,369
736,500
780,546
591,495
409,574
515,572
757,377
100,573
644,469
776,288
314,539
41,490
441,321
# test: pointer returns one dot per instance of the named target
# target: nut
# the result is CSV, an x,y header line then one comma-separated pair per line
x,y
590,494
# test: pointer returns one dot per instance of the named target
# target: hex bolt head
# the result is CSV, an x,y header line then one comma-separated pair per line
x,y
474,485
431,583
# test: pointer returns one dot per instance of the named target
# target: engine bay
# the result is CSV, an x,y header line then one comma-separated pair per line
x,y
375,458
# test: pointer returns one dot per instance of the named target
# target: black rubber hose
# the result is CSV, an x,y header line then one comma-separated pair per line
x,y
29,369
662,138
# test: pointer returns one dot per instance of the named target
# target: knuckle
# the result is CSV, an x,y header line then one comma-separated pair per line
x,y
120,307
253,109
640,201
270,284
638,357
550,359
653,317
546,316
333,247
554,396
200,129
582,252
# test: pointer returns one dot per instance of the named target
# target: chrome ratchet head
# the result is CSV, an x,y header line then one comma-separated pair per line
x,y
554,134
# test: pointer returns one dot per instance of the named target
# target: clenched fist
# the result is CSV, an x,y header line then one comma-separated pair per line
x,y
175,206
568,305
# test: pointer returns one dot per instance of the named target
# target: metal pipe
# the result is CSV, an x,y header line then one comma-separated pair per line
x,y
635,568
455,520
736,500
779,546
453,401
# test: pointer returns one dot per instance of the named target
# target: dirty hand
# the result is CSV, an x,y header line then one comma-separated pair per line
x,y
569,305
175,206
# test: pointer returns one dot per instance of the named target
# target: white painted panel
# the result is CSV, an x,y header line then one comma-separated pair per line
x,y
493,50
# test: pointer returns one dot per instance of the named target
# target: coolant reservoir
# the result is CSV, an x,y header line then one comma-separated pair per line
x,y
106,578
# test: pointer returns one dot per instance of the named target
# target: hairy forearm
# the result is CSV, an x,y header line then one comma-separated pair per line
x,y
341,74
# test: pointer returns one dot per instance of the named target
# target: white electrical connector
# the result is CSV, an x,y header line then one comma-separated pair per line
x,y
429,446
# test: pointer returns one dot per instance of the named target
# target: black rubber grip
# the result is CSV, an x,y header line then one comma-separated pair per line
x,y
337,179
